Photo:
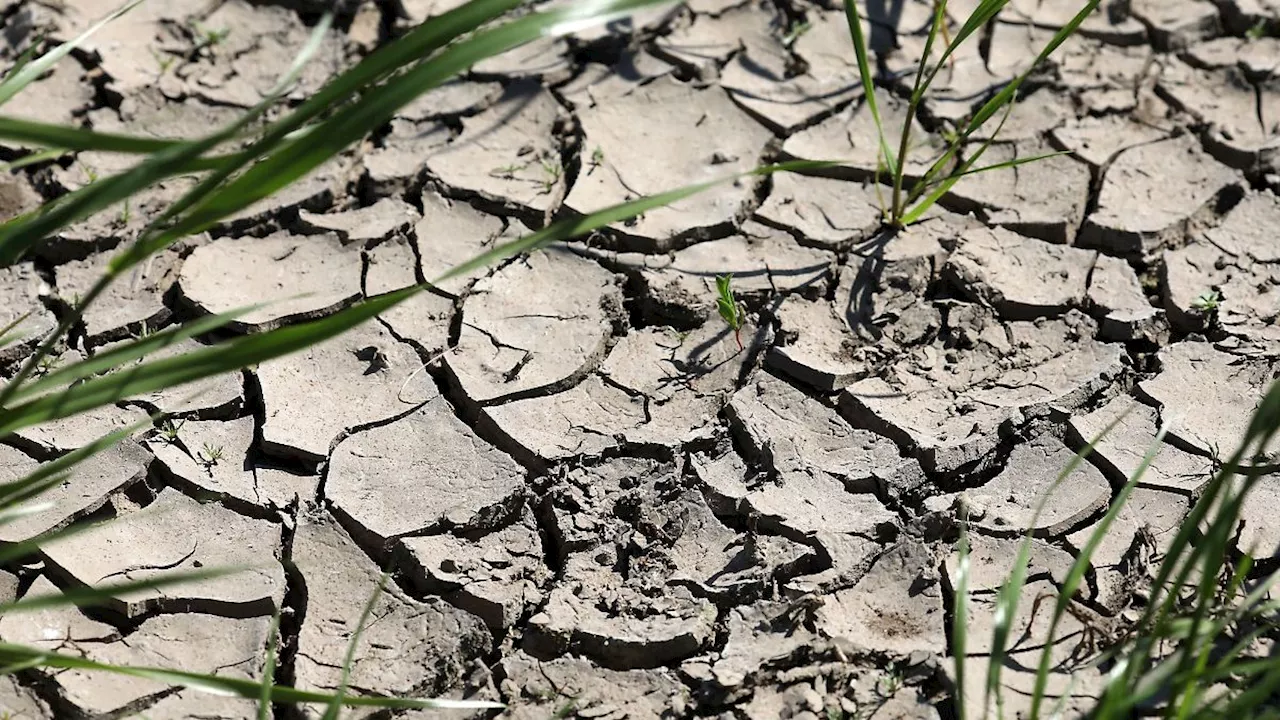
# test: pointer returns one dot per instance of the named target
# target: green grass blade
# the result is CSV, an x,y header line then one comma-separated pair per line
x,y
126,353
379,105
1011,590
15,82
232,686
862,54
348,661
1076,575
229,356
7,335
65,137
960,618
82,597
269,668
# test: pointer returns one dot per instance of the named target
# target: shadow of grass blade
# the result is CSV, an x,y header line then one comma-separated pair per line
x,y
1006,609
12,654
1076,574
348,661
27,73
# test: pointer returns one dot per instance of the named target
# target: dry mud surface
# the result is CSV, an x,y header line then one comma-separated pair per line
x,y
593,503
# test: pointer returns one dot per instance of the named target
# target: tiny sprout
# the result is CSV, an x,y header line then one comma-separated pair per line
x,y
169,430
730,311
795,32
1258,30
1207,301
209,455
551,171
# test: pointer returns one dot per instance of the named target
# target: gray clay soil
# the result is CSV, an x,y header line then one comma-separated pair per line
x,y
593,503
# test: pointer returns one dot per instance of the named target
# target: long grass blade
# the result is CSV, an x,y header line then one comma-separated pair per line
x,y
1011,590
862,53
222,685
960,618
348,661
15,82
1076,574
269,668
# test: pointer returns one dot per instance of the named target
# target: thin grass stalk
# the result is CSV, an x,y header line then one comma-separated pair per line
x,y
862,56
913,105
269,668
960,618
335,706
1075,575
1011,590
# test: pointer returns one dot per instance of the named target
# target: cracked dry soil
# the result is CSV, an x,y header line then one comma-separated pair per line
x,y
593,503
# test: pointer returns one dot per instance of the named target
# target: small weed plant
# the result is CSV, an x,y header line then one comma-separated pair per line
x,y
731,311
911,197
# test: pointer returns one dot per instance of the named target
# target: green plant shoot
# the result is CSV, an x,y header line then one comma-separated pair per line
x,y
729,309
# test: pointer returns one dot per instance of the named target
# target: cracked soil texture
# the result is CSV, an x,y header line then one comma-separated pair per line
x,y
593,500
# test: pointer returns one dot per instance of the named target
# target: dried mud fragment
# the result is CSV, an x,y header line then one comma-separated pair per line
x,y
65,92
1055,14
1120,452
706,136
1256,56
423,472
896,608
82,492
188,642
1245,233
497,577
704,41
1005,505
176,533
1152,193
452,232
831,344
72,433
509,153
761,260
1071,680
546,58
421,320
131,304
403,153
851,136
991,561
636,514
20,291
213,460
219,396
822,212
1116,298
537,689
598,84
375,222
1044,199
22,702
1256,532
945,402
1133,545
1174,26
1102,77
790,84
1241,114
1021,278
1208,395
314,396
275,271
413,648
969,76
793,434
1097,140
658,388
764,634
257,45
513,345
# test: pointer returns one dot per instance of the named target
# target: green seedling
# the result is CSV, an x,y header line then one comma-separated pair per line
x,y
597,157
913,196
730,310
1207,301
209,37
209,456
1258,30
169,430
551,174
795,32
